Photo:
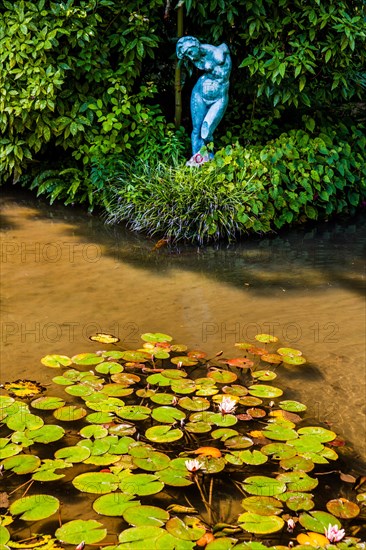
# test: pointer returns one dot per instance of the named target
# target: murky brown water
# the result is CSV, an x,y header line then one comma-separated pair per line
x,y
65,275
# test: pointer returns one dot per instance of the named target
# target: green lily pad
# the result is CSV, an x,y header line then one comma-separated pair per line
x,y
266,338
250,401
238,442
114,504
318,521
4,537
183,386
156,337
188,529
176,474
158,380
307,444
297,501
96,482
56,361
194,403
222,376
22,464
139,538
109,367
266,375
163,398
20,421
198,427
73,454
264,506
213,465
260,525
153,461
224,433
163,434
289,352
46,434
103,403
135,356
263,486
96,431
96,448
87,359
298,481
80,530
262,390
167,414
322,434
298,463
223,420
99,417
254,458
279,432
293,360
342,508
145,515
35,507
174,374
48,403
156,351
279,451
8,449
139,484
292,406
235,390
69,413
127,378
134,412
272,358
79,390
184,361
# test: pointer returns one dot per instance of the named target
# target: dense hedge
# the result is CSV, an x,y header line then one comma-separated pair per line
x,y
295,177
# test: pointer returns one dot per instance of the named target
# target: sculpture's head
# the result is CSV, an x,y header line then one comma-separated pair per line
x,y
188,46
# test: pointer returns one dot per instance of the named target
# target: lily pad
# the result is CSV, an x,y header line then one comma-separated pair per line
x,y
104,338
158,380
292,406
152,461
254,458
109,367
223,420
343,508
318,521
114,504
80,530
46,434
298,481
298,463
126,378
297,501
188,529
73,454
134,412
163,434
279,451
35,507
183,386
249,401
22,464
135,356
224,433
156,337
48,403
314,540
198,427
264,506
176,474
140,484
96,482
265,375
222,376
145,515
238,442
56,361
174,374
23,421
184,360
272,358
260,525
279,432
163,398
139,538
263,486
266,338
69,413
289,352
307,444
87,359
167,414
322,434
194,403
262,390
8,449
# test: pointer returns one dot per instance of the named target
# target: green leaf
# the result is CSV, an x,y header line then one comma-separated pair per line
x,y
35,507
79,530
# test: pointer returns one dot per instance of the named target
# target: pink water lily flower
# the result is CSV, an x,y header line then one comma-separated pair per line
x,y
334,534
193,465
227,405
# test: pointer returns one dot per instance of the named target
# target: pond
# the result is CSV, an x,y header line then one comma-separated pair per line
x,y
66,275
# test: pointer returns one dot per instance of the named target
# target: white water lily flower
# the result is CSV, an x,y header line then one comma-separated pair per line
x,y
334,534
193,465
227,405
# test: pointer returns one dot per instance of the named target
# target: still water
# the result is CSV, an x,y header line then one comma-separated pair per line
x,y
66,275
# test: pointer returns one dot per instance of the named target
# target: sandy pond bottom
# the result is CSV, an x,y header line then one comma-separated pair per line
x,y
65,275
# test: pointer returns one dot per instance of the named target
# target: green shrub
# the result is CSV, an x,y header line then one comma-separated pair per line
x,y
294,178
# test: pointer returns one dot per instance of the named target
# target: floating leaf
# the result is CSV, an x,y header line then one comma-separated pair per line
x,y
255,458
163,398
23,388
163,434
46,434
256,413
167,414
263,486
343,508
279,451
265,375
318,521
260,525
249,401
198,427
145,515
272,358
96,482
322,434
136,538
307,444
134,412
266,338
104,338
158,380
298,481
156,337
194,403
87,359
153,461
22,464
116,390
223,433
80,390
24,421
208,451
48,403
109,367
264,506
114,504
125,378
289,352
279,432
155,351
183,386
298,463
239,362
290,360
80,530
73,454
184,361
8,449
140,484
222,376
35,507
220,419
176,474
238,442
314,540
194,354
135,356
262,390
69,413
188,529
56,361
297,501
174,374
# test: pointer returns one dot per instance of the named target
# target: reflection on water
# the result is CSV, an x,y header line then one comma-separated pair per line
x,y
66,275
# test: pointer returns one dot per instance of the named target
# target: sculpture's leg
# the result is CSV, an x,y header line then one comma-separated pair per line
x,y
212,119
198,113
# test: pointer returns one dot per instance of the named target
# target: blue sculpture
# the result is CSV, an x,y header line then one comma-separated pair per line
x,y
210,94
